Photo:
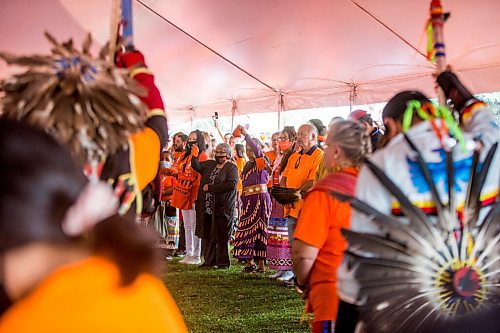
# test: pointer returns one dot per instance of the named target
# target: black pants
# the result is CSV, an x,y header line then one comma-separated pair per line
x,y
217,249
347,318
182,236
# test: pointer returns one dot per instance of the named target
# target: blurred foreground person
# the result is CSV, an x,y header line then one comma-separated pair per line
x,y
111,117
424,252
319,245
67,265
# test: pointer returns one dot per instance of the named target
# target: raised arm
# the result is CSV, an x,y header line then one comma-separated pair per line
x,y
249,140
475,116
195,161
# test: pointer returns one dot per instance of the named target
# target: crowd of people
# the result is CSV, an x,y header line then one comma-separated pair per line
x,y
298,233
281,207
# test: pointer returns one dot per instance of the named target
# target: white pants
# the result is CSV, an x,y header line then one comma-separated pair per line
x,y
193,243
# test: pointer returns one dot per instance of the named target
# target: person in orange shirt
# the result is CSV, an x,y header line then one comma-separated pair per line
x,y
300,173
275,151
166,221
178,150
185,194
241,160
66,264
179,144
319,245
279,255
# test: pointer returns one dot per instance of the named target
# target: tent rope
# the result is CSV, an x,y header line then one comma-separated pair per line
x,y
207,47
388,28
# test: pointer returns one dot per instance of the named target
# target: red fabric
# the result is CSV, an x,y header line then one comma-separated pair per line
x,y
130,59
153,98
344,182
357,114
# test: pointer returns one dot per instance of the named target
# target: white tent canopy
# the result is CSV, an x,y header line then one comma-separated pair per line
x,y
311,53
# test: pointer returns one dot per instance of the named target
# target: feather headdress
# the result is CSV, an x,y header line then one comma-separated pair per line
x,y
85,102
428,276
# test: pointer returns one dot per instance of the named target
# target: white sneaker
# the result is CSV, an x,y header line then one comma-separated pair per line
x,y
185,260
194,261
277,274
287,276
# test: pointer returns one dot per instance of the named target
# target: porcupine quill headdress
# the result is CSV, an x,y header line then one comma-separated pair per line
x,y
86,103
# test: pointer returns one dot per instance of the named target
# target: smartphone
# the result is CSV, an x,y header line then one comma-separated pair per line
x,y
216,116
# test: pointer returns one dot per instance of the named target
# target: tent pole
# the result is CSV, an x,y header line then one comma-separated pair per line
x,y
233,112
352,95
281,107
438,18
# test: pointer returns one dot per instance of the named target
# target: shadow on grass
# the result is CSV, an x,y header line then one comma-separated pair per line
x,y
213,300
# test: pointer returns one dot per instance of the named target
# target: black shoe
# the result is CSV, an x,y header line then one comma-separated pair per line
x,y
206,265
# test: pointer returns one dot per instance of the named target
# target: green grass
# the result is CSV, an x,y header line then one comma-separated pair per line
x,y
221,301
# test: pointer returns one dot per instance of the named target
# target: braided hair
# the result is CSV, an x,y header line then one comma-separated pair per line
x,y
352,139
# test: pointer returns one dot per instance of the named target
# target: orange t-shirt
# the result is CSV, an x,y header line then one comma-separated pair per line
x,y
271,155
86,297
272,158
301,168
166,182
188,182
319,225
240,164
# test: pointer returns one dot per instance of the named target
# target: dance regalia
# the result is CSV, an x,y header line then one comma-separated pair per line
x,y
96,110
251,237
424,241
166,221
139,164
279,251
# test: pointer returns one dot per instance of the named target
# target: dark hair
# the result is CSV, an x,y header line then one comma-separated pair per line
x,y
397,105
40,181
200,140
181,135
240,150
292,135
366,118
319,126
290,130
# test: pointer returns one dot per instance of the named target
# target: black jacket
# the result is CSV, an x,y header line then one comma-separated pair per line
x,y
224,190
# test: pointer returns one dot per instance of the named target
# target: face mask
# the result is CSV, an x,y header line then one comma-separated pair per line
x,y
190,144
284,145
220,159
165,164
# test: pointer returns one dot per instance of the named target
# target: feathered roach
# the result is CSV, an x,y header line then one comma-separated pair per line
x,y
85,102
